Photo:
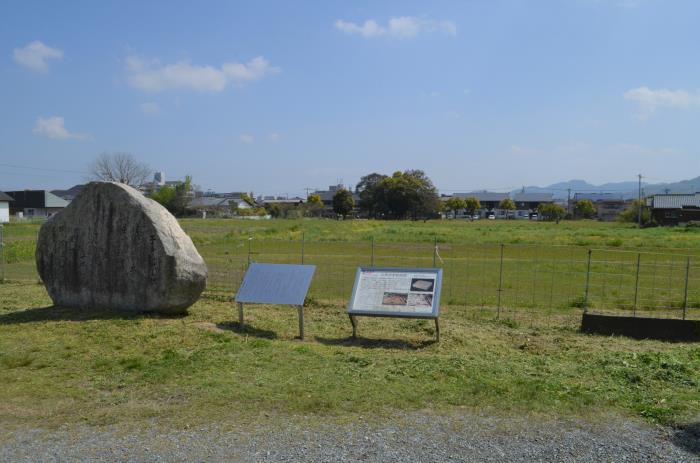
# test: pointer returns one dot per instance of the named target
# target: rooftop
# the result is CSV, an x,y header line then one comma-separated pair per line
x,y
674,201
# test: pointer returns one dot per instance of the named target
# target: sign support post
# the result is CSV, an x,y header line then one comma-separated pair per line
x,y
301,322
240,315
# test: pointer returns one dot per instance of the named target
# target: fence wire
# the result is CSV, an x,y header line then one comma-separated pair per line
x,y
503,280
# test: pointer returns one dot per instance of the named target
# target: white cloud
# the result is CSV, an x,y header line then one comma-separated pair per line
x,y
35,55
54,127
153,77
150,108
273,137
402,27
369,29
649,100
246,138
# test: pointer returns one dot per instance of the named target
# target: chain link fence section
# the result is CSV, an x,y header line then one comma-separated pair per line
x,y
512,281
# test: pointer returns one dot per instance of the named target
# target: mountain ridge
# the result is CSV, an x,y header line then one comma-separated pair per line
x,y
625,189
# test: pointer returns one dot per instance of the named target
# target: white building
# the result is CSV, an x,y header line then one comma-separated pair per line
x,y
36,204
4,207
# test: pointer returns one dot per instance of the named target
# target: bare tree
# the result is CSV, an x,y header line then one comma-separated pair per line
x,y
119,167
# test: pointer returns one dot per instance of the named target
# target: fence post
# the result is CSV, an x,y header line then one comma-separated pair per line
x,y
302,247
371,261
500,283
2,255
685,295
588,280
435,253
636,286
250,241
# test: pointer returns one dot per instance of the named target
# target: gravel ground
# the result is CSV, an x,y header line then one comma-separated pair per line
x,y
415,437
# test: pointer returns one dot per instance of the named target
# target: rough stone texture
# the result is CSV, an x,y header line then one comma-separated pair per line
x,y
113,248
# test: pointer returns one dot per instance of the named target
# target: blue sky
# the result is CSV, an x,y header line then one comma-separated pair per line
x,y
276,97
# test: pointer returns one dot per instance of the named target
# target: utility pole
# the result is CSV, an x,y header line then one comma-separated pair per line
x,y
639,213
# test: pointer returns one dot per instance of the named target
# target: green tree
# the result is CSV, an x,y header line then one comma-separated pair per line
x,y
507,205
408,194
455,204
343,202
314,199
551,212
164,196
631,214
248,198
372,201
584,209
274,210
175,198
472,204
182,196
313,206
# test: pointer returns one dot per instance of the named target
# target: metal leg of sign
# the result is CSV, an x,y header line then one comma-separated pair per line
x,y
240,315
301,322
437,330
353,320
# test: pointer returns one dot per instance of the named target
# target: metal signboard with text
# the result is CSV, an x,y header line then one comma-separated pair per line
x,y
396,292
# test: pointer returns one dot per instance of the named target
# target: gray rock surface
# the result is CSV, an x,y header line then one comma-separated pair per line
x,y
113,248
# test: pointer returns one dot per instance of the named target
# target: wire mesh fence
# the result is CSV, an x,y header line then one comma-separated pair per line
x,y
516,281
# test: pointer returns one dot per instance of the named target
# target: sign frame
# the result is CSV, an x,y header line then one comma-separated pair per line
x,y
433,315
295,299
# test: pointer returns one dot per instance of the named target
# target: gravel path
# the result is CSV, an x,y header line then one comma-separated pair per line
x,y
415,437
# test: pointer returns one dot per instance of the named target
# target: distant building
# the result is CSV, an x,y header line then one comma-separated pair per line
x,y
327,195
220,205
5,201
673,209
489,201
159,178
69,194
36,203
526,204
282,200
608,206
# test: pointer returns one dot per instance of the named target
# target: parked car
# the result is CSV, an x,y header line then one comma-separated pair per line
x,y
475,217
492,216
533,216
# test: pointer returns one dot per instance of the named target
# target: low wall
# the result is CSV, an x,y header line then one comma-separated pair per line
x,y
667,329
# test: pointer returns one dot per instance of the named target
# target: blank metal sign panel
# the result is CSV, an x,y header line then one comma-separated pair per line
x,y
275,284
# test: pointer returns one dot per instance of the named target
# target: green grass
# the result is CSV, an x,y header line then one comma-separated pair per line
x,y
544,264
578,233
66,367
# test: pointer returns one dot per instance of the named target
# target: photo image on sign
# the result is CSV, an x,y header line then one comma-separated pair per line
x,y
394,299
422,284
420,300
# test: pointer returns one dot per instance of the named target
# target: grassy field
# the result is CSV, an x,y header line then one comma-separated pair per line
x,y
541,267
61,366
67,367
583,233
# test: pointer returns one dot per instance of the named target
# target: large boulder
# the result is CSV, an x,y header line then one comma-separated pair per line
x,y
113,248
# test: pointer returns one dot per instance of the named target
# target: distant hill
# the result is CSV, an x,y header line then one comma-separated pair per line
x,y
626,189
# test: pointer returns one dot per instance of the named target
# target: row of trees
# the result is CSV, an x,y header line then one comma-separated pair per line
x,y
408,194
